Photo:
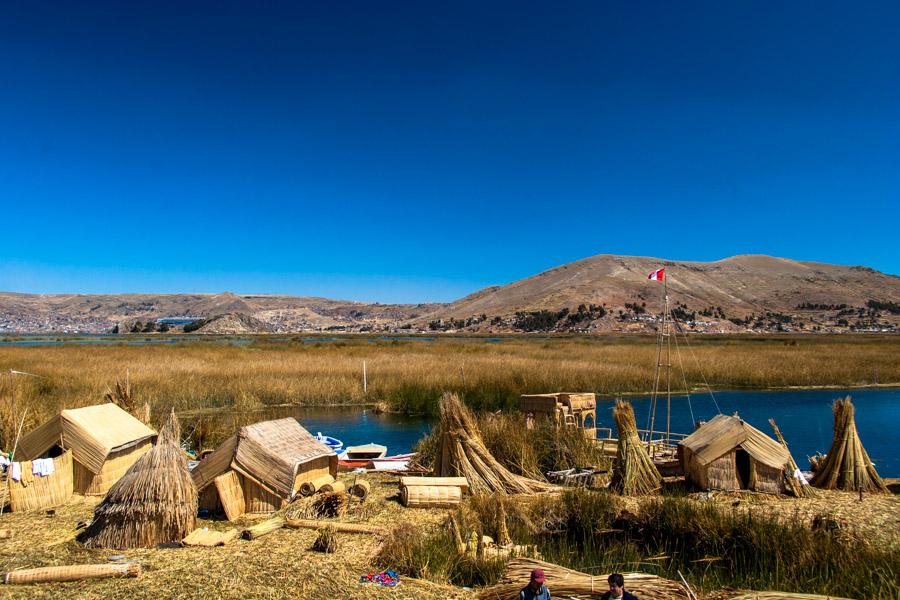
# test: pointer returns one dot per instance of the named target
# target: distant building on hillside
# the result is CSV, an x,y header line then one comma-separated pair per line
x,y
177,320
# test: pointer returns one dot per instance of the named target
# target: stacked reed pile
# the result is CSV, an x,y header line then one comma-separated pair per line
x,y
308,488
633,471
153,503
331,504
432,492
566,582
847,465
462,453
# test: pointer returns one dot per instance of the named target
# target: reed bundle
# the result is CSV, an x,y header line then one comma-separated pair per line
x,y
462,453
428,496
633,471
795,485
339,527
566,582
326,540
263,528
360,489
337,486
209,538
331,504
308,488
773,596
155,501
71,573
847,465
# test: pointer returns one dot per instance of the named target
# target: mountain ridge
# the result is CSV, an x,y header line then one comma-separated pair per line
x,y
604,292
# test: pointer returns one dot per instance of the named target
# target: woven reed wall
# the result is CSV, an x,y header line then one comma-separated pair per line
x,y
721,474
765,478
430,496
230,494
313,470
258,500
38,493
116,465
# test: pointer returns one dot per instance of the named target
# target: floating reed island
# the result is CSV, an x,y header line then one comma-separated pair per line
x,y
483,519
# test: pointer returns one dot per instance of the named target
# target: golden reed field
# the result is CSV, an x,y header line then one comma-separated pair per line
x,y
410,375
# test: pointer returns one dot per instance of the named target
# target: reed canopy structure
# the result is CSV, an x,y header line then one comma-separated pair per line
x,y
847,465
155,502
261,467
729,454
104,439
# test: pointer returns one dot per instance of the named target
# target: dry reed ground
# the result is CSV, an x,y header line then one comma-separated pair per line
x,y
876,518
279,565
283,564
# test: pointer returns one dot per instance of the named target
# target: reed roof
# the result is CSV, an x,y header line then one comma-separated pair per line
x,y
92,433
270,453
724,433
154,502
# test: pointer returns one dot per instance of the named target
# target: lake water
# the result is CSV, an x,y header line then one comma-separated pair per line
x,y
804,418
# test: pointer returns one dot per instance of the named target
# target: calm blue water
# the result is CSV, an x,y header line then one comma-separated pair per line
x,y
355,427
804,417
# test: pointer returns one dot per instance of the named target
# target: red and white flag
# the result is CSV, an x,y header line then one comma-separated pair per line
x,y
657,275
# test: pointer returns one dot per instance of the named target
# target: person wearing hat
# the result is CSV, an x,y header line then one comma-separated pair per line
x,y
535,590
617,589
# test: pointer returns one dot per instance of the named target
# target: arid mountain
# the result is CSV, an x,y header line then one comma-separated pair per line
x,y
34,313
596,294
730,290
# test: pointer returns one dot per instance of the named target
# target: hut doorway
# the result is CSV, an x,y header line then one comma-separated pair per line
x,y
742,465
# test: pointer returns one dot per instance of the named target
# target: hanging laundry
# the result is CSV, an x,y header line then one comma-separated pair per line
x,y
15,471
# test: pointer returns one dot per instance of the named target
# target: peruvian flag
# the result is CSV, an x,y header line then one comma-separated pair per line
x,y
657,275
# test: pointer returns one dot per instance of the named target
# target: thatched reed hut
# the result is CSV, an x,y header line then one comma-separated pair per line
x,y
104,439
727,453
847,465
155,502
39,492
261,467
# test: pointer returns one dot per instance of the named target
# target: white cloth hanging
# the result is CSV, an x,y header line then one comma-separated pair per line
x,y
16,471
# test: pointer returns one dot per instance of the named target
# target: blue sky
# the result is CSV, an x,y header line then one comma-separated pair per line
x,y
413,151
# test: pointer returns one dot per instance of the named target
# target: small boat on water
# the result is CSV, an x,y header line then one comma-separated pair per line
x,y
332,442
360,456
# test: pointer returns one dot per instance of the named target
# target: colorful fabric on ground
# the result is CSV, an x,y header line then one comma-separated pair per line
x,y
385,578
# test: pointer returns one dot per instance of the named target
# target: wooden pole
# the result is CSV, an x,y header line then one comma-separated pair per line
x,y
339,527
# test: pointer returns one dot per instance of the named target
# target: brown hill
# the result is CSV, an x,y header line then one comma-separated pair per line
x,y
735,294
738,287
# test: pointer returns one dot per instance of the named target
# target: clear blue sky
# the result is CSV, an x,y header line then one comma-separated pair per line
x,y
413,151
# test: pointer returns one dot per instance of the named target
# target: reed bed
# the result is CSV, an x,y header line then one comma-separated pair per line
x,y
410,376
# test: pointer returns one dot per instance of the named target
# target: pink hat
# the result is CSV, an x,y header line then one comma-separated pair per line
x,y
537,575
